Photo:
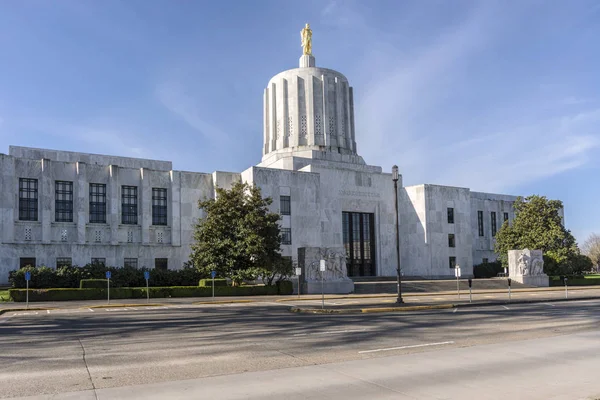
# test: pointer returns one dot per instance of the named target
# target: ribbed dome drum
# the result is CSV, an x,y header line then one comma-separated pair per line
x,y
309,108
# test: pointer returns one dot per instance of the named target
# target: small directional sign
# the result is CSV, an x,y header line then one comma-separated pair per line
x,y
298,271
27,276
146,275
457,271
213,274
107,274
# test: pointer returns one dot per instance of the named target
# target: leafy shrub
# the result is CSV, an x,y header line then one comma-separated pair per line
x,y
93,283
285,287
487,270
66,294
70,277
208,282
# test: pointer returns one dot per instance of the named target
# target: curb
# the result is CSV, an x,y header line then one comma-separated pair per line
x,y
447,293
226,302
369,310
124,305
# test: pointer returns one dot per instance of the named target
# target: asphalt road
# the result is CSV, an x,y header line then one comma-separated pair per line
x,y
260,350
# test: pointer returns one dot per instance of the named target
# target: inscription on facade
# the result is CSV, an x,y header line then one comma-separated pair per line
x,y
358,193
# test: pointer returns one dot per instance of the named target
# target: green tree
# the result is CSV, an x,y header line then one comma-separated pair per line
x,y
238,237
538,226
591,248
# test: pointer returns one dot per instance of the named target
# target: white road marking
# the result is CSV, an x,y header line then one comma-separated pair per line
x,y
330,332
26,313
90,310
506,307
549,304
406,347
48,311
455,310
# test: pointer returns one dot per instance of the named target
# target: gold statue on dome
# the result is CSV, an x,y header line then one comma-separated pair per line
x,y
306,37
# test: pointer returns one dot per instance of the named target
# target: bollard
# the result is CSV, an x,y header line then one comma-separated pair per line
x,y
470,293
566,288
509,280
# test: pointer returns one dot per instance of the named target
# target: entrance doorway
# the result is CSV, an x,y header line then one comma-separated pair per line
x,y
359,242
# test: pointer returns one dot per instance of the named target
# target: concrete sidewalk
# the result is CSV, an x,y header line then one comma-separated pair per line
x,y
337,302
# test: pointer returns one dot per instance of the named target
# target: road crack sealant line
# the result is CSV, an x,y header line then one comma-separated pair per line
x,y
87,369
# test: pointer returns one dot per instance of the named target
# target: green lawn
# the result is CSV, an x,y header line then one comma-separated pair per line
x,y
4,295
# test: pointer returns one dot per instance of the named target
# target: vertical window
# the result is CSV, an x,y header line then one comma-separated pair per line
x,y
130,263
28,199
26,262
159,206
450,215
129,213
63,207
359,243
451,240
285,207
99,261
505,217
98,203
161,263
452,262
286,236
63,262
493,221
480,222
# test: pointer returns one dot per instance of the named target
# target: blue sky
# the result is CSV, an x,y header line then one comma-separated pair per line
x,y
498,96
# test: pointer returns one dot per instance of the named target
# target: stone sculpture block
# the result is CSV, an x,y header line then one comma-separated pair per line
x,y
335,278
527,267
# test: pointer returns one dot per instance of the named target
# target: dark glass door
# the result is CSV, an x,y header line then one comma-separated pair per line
x,y
359,242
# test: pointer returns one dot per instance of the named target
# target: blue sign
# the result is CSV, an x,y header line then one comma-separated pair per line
x,y
213,274
146,275
107,274
27,276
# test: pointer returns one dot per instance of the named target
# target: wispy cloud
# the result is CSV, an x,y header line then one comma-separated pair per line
x,y
174,97
408,88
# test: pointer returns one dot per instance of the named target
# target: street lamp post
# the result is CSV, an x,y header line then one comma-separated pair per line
x,y
395,179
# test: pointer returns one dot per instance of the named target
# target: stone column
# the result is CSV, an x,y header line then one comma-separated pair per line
x,y
145,206
46,201
114,204
81,196
175,212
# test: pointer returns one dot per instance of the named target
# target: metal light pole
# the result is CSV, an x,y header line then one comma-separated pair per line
x,y
395,179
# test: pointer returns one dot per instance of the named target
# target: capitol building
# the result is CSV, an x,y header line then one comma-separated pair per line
x,y
67,208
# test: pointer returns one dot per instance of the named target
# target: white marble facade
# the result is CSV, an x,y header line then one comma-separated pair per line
x,y
309,157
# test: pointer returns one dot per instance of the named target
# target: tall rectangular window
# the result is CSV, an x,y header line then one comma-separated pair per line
x,y
480,222
63,262
359,242
130,263
27,262
452,262
451,240
97,203
450,215
28,199
285,206
161,263
63,198
99,261
129,211
493,221
286,236
505,217
159,206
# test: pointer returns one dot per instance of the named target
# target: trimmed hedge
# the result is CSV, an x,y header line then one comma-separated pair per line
x,y
284,288
574,281
208,282
93,283
70,277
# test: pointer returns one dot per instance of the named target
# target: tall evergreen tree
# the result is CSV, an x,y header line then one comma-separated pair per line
x,y
237,237
538,225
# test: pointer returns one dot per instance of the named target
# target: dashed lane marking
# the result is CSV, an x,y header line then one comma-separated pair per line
x,y
506,307
330,332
